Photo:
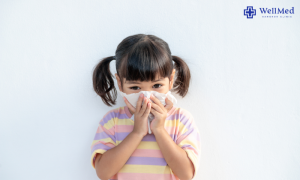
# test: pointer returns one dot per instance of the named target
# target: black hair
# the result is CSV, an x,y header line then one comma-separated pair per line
x,y
140,57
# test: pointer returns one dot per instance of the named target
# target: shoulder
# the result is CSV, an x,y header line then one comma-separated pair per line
x,y
186,121
184,116
182,113
112,114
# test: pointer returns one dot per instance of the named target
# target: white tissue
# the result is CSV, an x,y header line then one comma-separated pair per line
x,y
133,99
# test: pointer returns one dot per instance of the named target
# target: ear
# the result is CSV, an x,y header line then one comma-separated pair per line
x,y
172,79
119,82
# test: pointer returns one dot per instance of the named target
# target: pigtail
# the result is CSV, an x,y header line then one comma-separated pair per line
x,y
182,81
103,81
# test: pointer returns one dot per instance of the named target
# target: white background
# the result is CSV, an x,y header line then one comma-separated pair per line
x,y
244,91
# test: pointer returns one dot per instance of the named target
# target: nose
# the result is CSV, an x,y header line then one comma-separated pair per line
x,y
147,90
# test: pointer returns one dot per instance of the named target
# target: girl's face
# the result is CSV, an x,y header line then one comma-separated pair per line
x,y
161,85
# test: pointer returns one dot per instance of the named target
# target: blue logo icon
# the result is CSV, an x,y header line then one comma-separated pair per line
x,y
249,12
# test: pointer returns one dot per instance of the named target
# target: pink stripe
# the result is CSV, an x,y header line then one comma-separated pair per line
x,y
127,111
133,176
124,128
171,129
147,153
110,131
129,128
105,143
191,149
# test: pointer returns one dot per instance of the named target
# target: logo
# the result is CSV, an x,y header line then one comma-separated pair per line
x,y
269,12
273,11
249,12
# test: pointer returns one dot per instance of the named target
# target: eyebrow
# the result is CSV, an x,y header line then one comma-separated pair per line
x,y
135,82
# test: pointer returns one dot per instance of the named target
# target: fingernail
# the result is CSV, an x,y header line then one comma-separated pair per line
x,y
141,95
124,98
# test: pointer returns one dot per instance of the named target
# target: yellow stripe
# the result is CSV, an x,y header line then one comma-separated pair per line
x,y
146,145
151,169
193,157
171,123
126,121
101,151
176,124
110,123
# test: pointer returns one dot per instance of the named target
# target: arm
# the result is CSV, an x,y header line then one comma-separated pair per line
x,y
114,159
176,157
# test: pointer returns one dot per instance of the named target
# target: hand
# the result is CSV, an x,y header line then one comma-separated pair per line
x,y
160,112
141,113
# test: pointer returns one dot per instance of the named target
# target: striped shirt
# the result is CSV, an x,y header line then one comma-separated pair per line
x,y
147,161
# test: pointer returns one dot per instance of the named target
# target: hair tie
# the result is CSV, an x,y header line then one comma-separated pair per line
x,y
114,57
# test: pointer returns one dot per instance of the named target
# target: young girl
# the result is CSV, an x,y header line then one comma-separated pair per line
x,y
122,148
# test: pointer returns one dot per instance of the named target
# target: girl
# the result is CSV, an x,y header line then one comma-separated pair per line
x,y
122,148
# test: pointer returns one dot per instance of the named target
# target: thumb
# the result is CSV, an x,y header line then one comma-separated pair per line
x,y
169,104
129,105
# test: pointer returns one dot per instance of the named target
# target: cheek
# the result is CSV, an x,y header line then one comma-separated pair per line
x,y
165,88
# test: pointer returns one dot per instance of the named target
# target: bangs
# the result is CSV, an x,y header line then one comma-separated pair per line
x,y
145,62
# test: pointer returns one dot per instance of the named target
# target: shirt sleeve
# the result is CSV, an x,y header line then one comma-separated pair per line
x,y
105,136
188,138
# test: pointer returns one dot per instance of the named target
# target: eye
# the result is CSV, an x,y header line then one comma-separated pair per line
x,y
158,84
134,87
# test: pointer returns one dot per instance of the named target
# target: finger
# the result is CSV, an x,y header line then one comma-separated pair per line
x,y
153,111
157,108
139,102
169,104
144,106
129,105
146,113
156,101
